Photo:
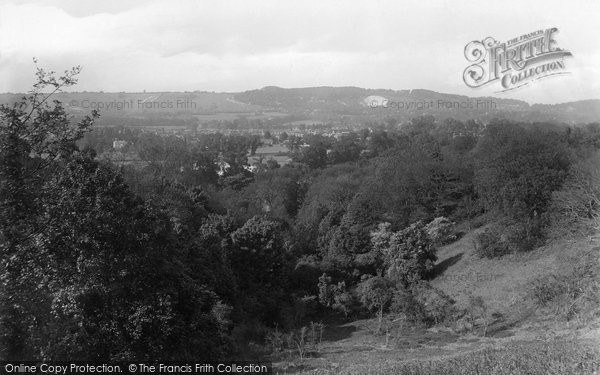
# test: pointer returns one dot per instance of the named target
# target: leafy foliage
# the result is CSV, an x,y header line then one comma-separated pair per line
x,y
439,230
519,169
334,295
91,271
410,255
375,294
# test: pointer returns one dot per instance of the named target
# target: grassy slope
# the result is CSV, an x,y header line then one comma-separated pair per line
x,y
504,285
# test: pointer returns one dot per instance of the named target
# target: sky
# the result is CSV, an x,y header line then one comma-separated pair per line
x,y
237,45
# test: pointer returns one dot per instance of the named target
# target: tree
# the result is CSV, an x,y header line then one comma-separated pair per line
x,y
294,142
314,154
334,295
89,271
375,294
235,149
579,198
379,143
259,263
116,274
410,255
237,181
277,191
272,164
517,170
380,242
343,244
202,167
35,139
347,149
439,230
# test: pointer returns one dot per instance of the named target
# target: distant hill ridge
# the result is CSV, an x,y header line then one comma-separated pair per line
x,y
329,103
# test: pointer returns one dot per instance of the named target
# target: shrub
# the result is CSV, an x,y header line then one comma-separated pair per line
x,y
489,243
437,306
479,221
524,236
249,331
573,293
304,308
299,340
509,236
405,304
439,230
410,255
517,169
423,303
343,302
335,296
275,340
578,202
548,288
477,313
315,334
375,294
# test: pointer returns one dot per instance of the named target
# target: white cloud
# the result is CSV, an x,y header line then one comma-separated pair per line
x,y
127,45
